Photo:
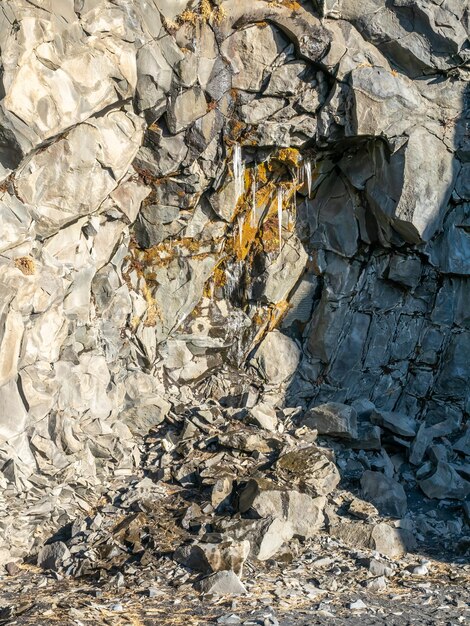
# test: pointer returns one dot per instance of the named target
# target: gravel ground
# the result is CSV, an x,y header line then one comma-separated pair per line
x,y
324,584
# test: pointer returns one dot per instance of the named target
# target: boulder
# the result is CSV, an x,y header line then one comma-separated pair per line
x,y
397,423
264,499
277,358
385,493
214,557
333,419
444,482
53,555
309,470
266,536
224,583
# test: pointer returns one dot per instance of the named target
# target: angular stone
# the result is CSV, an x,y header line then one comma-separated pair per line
x,y
391,542
287,80
405,270
413,186
214,557
53,555
221,584
309,470
266,536
305,514
263,416
185,109
385,493
251,52
395,422
333,419
445,483
277,358
73,176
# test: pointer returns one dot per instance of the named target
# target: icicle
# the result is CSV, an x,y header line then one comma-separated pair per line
x,y
240,229
308,174
296,182
279,214
253,202
238,170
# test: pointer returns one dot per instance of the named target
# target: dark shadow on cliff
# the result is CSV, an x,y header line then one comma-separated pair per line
x,y
383,327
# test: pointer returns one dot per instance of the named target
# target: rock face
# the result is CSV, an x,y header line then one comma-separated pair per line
x,y
231,199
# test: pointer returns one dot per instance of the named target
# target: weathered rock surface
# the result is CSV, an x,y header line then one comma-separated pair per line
x,y
259,205
385,493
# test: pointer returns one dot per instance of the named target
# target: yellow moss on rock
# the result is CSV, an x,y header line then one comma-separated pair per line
x,y
26,265
204,13
290,156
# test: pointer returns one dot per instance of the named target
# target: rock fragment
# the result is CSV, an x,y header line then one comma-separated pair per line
x,y
385,493
333,419
53,555
224,583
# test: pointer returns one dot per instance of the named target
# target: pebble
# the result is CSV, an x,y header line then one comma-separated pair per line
x,y
420,570
377,584
229,619
117,607
358,605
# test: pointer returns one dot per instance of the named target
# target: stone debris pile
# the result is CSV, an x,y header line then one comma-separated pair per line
x,y
218,497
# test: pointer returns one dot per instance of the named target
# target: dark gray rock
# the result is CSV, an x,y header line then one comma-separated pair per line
x,y
333,419
444,482
385,493
53,555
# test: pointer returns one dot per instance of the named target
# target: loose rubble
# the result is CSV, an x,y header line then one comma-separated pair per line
x,y
234,326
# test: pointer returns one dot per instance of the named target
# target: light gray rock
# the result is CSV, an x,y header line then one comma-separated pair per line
x,y
78,172
224,583
185,108
266,536
214,557
263,416
391,542
251,52
277,358
287,80
426,170
260,110
305,514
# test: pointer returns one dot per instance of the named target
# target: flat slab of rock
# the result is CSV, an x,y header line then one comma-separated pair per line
x,y
397,423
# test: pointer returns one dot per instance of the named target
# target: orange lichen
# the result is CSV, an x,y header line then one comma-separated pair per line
x,y
26,265
290,156
204,13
